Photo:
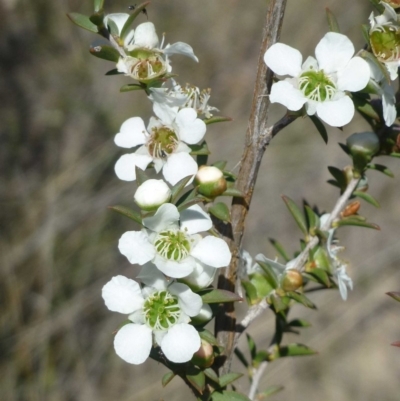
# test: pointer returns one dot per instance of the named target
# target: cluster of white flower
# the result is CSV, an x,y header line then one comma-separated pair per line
x,y
169,246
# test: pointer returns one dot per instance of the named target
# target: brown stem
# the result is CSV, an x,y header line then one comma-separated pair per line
x,y
258,136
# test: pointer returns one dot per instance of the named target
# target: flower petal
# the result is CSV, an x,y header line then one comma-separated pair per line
x,y
152,277
180,343
133,343
178,166
336,112
118,18
285,93
135,245
389,104
212,251
333,52
146,36
195,220
164,112
132,133
355,76
166,216
125,166
122,295
189,302
283,60
175,269
180,48
191,129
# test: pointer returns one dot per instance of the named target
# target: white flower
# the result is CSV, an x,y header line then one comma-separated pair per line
x,y
384,89
385,39
159,312
164,143
119,19
152,194
320,83
171,241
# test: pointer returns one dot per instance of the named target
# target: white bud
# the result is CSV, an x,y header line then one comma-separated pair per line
x,y
211,181
152,194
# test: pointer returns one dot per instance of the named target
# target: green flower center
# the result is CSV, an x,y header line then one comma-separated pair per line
x,y
317,86
385,42
163,141
161,310
148,68
172,245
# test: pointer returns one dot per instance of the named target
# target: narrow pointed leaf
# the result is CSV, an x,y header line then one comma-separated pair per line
x,y
82,21
395,154
269,274
252,346
320,127
187,196
217,119
295,350
220,164
381,169
296,213
352,221
197,379
394,295
367,197
241,357
279,248
191,202
334,183
233,192
278,303
215,296
364,107
211,375
299,323
338,175
98,5
319,276
377,4
268,392
114,71
138,9
229,378
178,187
206,335
141,176
251,292
221,211
344,148
332,21
301,299
131,87
228,396
167,378
365,33
201,149
312,218
105,52
125,211
97,18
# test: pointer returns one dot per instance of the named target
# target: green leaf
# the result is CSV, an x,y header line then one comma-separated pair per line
x,y
320,127
295,349
138,9
98,5
82,21
377,4
268,392
217,119
220,211
357,221
220,164
206,335
296,213
394,295
252,346
178,188
241,357
319,276
187,196
299,323
278,303
114,71
270,274
141,176
131,87
251,292
216,296
332,21
97,18
381,168
364,108
301,299
125,211
197,379
105,52
339,176
211,375
233,192
394,154
229,378
312,218
228,396
367,197
201,149
279,248
191,202
365,33
167,378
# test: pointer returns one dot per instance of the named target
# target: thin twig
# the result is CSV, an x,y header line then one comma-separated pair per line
x,y
258,136
257,375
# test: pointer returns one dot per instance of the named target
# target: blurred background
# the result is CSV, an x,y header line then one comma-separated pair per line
x,y
58,117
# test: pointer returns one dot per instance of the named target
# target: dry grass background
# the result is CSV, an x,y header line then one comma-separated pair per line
x,y
59,243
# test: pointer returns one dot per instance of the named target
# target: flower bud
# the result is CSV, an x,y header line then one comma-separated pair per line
x,y
152,194
363,146
204,316
392,3
211,182
204,357
351,209
292,280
